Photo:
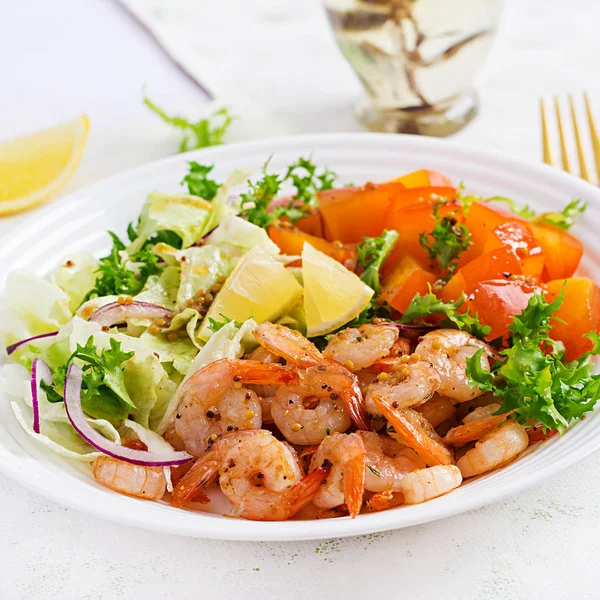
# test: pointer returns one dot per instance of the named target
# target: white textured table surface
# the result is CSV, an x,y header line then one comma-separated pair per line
x,y
61,58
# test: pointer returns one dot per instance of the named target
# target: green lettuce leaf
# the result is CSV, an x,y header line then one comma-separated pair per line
x,y
241,234
31,306
76,276
183,214
202,267
162,289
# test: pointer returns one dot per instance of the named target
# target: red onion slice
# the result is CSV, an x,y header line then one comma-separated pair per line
x,y
10,349
40,371
412,328
72,397
113,313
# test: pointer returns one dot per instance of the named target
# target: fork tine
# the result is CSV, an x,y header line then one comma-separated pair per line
x,y
593,133
547,148
583,170
564,155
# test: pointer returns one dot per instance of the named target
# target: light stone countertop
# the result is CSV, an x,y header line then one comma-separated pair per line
x,y
65,57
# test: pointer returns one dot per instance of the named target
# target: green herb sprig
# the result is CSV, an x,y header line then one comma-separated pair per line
x,y
533,379
307,181
209,131
372,253
447,241
103,395
422,307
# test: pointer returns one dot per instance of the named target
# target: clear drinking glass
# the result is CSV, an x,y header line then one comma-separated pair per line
x,y
416,59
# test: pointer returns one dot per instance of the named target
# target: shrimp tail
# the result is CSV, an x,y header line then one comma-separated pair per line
x,y
356,407
354,482
303,491
469,432
430,450
259,373
191,486
384,500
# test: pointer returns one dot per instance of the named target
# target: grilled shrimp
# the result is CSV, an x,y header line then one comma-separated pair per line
x,y
410,428
358,348
307,410
265,393
437,410
140,481
494,449
259,474
346,482
214,401
448,350
289,344
412,384
387,462
425,484
325,396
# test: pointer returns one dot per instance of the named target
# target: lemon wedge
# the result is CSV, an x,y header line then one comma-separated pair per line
x,y
259,287
35,166
333,295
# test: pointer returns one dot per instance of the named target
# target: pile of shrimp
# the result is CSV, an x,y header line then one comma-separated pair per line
x,y
373,421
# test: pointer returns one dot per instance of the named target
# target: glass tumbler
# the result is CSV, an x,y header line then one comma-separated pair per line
x,y
416,59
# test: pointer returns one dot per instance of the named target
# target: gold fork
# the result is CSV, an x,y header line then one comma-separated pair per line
x,y
564,153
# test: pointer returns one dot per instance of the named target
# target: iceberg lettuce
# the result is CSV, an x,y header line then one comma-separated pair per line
x,y
162,289
76,276
202,267
183,214
31,306
238,232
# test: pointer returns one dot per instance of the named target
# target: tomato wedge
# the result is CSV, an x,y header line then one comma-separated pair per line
x,y
518,237
562,251
424,178
580,311
411,216
406,279
481,220
291,241
350,214
497,301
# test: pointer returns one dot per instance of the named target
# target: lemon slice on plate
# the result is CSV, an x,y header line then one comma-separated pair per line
x,y
259,287
35,166
333,295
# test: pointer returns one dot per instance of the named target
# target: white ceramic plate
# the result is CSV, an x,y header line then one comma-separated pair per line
x,y
80,222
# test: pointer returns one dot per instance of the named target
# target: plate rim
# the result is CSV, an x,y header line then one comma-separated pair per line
x,y
210,527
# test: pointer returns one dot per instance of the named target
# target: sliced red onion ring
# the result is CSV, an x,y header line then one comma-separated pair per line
x,y
10,349
113,313
40,371
72,397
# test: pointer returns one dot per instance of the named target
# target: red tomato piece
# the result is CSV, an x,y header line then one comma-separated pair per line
x,y
518,236
500,263
481,220
350,214
454,289
424,178
291,240
580,311
412,215
497,302
407,279
562,251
